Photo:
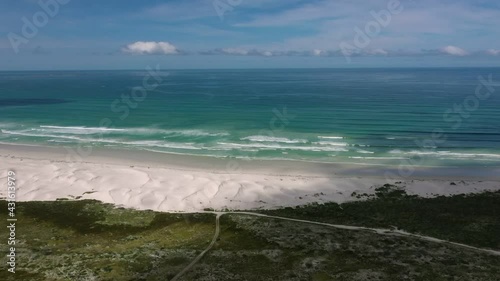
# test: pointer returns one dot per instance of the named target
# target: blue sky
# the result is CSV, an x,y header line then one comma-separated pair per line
x,y
122,34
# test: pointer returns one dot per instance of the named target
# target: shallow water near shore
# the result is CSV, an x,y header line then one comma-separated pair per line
x,y
227,165
359,116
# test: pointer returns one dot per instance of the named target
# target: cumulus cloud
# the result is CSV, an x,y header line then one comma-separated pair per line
x,y
235,51
493,52
317,52
243,52
453,51
151,48
293,53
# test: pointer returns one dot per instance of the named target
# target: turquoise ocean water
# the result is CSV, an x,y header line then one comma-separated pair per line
x,y
375,116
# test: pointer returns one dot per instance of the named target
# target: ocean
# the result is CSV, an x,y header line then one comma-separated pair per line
x,y
426,117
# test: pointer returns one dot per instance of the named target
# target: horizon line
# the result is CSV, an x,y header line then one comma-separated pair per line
x,y
257,68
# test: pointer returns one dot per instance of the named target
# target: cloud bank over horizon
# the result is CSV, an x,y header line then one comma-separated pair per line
x,y
166,48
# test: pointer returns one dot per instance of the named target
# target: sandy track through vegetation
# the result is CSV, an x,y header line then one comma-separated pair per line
x,y
380,231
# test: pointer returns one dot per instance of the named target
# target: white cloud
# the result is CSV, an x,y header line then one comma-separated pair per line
x,y
493,52
317,52
267,53
328,23
235,51
151,48
243,52
378,52
453,51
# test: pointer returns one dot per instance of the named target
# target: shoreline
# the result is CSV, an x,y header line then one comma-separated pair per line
x,y
230,165
175,183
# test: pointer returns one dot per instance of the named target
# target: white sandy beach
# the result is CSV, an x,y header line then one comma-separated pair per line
x,y
132,181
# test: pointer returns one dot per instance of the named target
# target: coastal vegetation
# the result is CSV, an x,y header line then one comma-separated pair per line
x,y
90,240
472,219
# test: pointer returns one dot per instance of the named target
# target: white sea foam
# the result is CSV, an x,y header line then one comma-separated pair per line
x,y
262,146
83,128
331,143
60,141
445,154
399,138
24,133
273,139
364,151
80,130
163,144
183,153
196,133
173,145
114,141
77,130
378,158
330,137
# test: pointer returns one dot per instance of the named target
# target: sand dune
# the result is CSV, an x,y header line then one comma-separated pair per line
x,y
163,188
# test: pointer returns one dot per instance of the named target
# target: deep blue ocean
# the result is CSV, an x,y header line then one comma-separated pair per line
x,y
429,117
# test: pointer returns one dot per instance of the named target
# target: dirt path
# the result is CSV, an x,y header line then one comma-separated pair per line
x,y
380,231
198,258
